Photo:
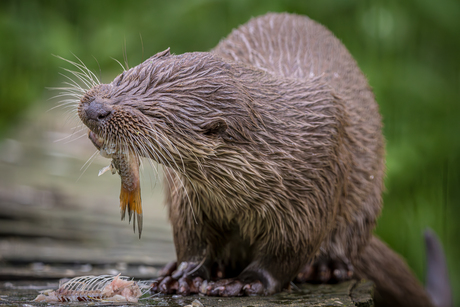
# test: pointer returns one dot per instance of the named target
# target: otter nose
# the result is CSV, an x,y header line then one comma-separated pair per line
x,y
98,110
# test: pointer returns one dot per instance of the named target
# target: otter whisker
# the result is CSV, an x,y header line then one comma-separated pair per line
x,y
167,140
139,148
141,152
89,159
74,130
71,114
122,67
83,68
74,93
168,153
72,85
69,108
68,136
66,102
87,164
151,163
69,101
182,171
157,154
187,193
151,151
100,70
159,134
82,77
143,141
125,54
85,75
68,92
70,118
182,186
65,138
79,137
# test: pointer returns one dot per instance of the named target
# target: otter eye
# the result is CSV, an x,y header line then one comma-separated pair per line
x,y
215,127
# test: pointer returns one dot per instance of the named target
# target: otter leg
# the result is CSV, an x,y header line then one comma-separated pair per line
x,y
185,275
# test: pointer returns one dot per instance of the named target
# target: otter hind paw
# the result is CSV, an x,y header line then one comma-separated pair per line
x,y
326,271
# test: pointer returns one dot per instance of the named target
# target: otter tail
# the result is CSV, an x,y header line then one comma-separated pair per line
x,y
437,277
395,284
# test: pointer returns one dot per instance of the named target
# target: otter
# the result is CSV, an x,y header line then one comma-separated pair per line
x,y
274,161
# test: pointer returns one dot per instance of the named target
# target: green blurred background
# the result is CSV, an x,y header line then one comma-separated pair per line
x,y
409,50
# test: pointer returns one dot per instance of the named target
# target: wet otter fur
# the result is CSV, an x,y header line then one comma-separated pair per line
x,y
273,156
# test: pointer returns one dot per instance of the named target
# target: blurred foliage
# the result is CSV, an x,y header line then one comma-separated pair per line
x,y
408,49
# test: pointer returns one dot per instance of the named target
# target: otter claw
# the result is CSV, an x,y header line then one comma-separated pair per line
x,y
184,286
168,269
214,291
254,288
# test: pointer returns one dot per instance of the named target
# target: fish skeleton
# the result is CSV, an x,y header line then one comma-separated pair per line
x,y
94,288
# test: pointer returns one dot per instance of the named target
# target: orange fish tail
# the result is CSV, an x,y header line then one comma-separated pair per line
x,y
130,200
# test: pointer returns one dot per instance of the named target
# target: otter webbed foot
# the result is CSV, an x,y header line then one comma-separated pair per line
x,y
326,270
192,278
178,279
232,287
183,286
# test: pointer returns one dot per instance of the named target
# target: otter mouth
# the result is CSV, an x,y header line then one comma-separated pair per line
x,y
106,149
97,141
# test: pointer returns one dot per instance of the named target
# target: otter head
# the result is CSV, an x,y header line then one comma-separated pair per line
x,y
172,108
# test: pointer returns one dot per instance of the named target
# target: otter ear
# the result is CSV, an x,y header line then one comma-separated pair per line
x,y
215,127
161,54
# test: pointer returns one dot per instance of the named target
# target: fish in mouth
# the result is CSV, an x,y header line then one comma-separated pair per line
x,y
126,163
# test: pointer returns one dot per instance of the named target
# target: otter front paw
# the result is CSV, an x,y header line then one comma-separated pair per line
x,y
176,279
232,287
183,286
326,270
191,278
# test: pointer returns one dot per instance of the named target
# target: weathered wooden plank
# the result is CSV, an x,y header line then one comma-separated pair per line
x,y
18,293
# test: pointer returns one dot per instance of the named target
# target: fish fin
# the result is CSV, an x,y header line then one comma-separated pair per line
x,y
131,201
105,169
139,224
122,211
